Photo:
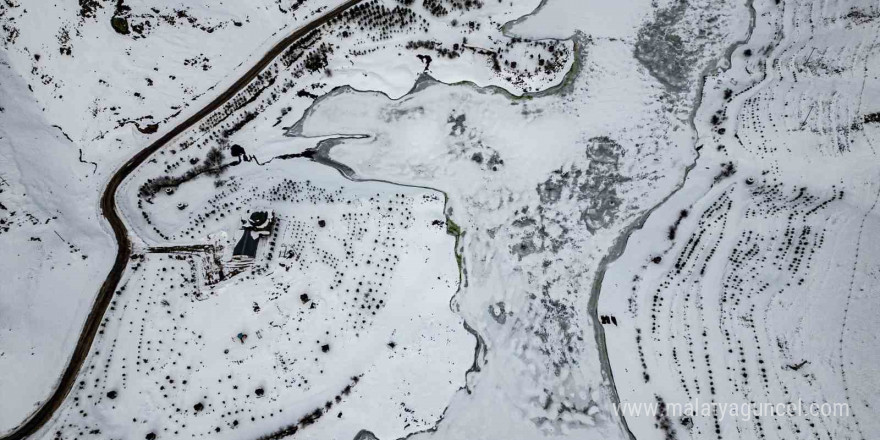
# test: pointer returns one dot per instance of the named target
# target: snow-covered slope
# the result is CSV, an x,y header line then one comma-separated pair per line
x,y
542,187
443,218
72,86
342,311
372,33
101,85
55,250
756,283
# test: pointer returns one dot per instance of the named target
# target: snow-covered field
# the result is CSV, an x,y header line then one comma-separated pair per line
x,y
486,219
541,187
756,282
79,93
55,252
343,310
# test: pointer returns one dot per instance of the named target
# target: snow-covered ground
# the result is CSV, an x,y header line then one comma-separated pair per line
x,y
344,310
71,85
55,251
442,280
541,188
756,282
373,33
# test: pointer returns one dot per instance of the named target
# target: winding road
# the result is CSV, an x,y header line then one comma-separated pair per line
x,y
120,232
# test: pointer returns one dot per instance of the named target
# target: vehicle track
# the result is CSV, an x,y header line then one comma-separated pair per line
x,y
120,232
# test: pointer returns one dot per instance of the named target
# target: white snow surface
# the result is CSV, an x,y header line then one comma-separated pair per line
x,y
56,251
490,156
766,294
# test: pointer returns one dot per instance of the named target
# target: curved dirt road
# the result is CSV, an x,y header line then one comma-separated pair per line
x,y
123,252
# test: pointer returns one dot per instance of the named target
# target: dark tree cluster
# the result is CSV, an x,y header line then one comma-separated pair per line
x,y
441,8
375,16
213,164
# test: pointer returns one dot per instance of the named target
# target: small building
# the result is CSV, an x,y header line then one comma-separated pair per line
x,y
256,225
